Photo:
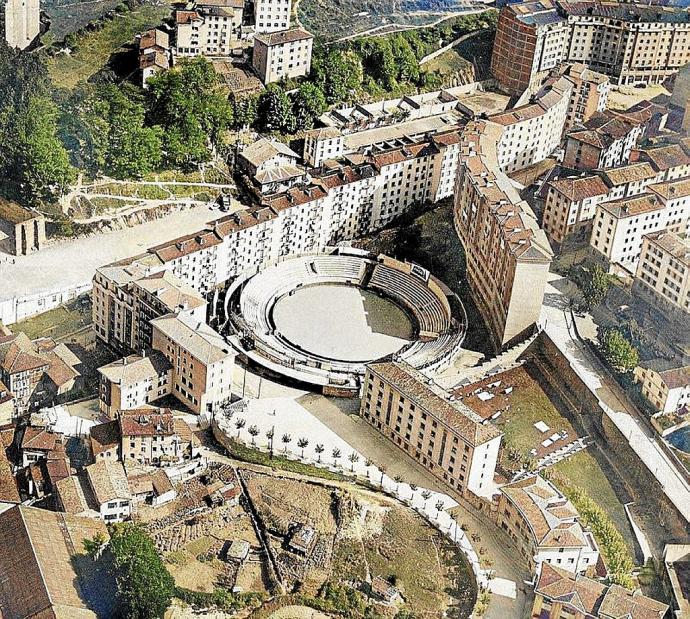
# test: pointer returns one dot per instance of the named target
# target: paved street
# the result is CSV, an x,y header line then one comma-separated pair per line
x,y
70,262
558,325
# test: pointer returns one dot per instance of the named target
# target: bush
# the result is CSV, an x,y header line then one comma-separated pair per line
x,y
618,351
612,545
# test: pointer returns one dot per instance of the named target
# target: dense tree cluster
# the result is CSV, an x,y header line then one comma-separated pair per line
x,y
618,351
144,586
31,153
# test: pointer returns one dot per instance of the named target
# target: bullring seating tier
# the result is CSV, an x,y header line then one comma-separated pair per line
x,y
440,337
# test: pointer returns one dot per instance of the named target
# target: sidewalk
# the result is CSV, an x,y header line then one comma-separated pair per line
x,y
557,323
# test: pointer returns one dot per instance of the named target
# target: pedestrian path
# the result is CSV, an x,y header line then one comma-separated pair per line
x,y
558,325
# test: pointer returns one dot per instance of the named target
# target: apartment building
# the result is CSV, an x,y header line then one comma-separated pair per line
x,y
560,594
20,22
590,92
134,381
606,140
531,39
631,43
126,296
663,274
271,15
507,253
672,161
664,384
322,144
620,225
533,131
283,54
545,526
270,166
570,206
570,201
202,361
154,437
444,436
209,28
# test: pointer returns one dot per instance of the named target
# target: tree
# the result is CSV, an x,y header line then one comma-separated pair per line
x,y
397,479
319,449
308,103
286,439
382,470
144,586
253,432
336,453
239,424
620,354
439,507
302,443
270,433
413,489
106,132
426,495
596,286
367,464
353,458
42,165
338,74
95,546
190,106
274,110
245,111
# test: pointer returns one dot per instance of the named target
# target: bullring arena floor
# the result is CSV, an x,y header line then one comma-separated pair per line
x,y
342,322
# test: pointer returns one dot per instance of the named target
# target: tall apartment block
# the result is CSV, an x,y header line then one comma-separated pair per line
x,y
211,27
20,22
444,436
283,54
629,42
271,15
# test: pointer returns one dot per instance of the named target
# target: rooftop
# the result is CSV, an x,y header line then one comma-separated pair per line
x,y
631,207
580,188
263,150
283,36
632,173
14,213
551,517
665,157
51,582
147,422
108,481
171,291
133,369
197,338
105,436
583,595
456,415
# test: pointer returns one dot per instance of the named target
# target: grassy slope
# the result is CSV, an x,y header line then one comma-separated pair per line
x,y
95,48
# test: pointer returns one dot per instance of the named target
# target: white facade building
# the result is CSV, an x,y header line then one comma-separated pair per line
x,y
271,15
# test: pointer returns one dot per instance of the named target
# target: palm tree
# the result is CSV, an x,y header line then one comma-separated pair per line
x,y
353,458
368,463
413,489
286,438
336,454
302,443
382,470
239,424
439,507
319,449
397,479
254,432
426,495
